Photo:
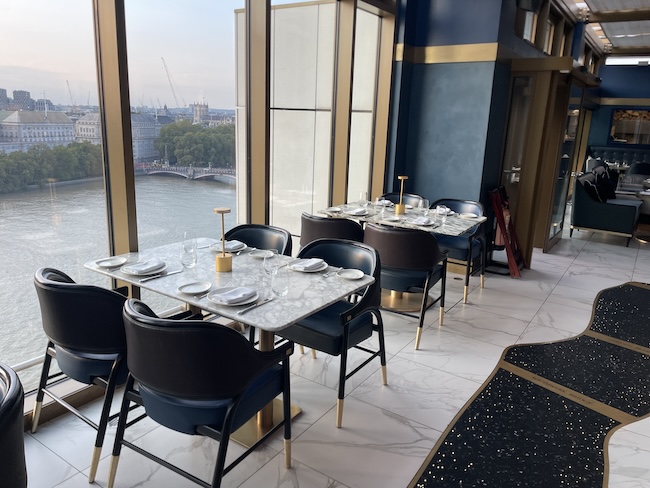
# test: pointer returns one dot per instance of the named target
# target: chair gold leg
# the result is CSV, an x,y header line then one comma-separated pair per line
x,y
417,338
339,412
313,353
97,452
441,316
287,453
301,348
112,470
384,376
482,281
36,416
465,293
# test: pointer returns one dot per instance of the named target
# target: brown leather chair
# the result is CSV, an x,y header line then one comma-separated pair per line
x,y
411,261
313,227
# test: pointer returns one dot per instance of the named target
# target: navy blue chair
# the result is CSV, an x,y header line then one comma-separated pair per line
x,y
469,247
262,237
198,378
346,323
410,262
12,444
407,198
313,227
85,334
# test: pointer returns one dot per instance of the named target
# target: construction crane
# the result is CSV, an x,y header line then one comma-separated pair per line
x,y
73,106
171,84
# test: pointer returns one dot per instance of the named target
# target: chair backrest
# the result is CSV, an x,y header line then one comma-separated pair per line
x,y
407,198
591,164
83,318
461,206
405,249
639,169
188,358
12,450
262,237
313,227
349,254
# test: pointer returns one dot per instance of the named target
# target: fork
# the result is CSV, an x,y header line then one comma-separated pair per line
x,y
331,273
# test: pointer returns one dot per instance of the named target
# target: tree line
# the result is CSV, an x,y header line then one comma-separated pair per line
x,y
185,145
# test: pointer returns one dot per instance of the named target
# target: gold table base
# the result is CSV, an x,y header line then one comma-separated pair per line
x,y
252,431
402,301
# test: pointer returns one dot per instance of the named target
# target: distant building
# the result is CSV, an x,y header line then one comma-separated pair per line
x,y
42,105
23,100
21,130
87,129
200,112
4,100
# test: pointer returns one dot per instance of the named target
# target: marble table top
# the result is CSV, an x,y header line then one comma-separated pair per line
x,y
454,225
308,292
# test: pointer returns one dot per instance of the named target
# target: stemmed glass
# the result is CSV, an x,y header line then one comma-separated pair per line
x,y
363,199
271,262
379,204
424,206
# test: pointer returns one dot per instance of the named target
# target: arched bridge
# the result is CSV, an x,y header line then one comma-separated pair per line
x,y
189,172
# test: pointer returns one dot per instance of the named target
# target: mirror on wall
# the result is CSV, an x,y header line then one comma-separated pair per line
x,y
630,126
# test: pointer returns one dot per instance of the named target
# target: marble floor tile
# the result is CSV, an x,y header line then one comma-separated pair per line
x,y
503,303
526,286
572,297
564,317
274,474
44,468
594,278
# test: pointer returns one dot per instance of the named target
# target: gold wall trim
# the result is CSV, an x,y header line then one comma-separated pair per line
x,y
579,398
459,53
618,342
640,102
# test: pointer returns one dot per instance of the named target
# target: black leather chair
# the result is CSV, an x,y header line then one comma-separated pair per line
x,y
469,247
313,227
199,378
407,198
85,334
262,237
410,262
12,444
346,323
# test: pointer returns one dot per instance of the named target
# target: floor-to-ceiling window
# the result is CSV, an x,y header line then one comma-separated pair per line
x,y
52,198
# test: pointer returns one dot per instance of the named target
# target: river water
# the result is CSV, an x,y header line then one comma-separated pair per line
x,y
65,226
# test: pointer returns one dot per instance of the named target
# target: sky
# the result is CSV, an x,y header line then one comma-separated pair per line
x,y
48,44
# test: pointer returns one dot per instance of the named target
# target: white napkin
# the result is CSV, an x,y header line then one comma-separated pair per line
x,y
230,245
384,203
143,268
236,295
442,210
357,211
422,221
308,264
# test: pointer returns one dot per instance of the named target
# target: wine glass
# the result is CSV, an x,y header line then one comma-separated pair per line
x,y
280,283
363,199
423,205
271,262
379,205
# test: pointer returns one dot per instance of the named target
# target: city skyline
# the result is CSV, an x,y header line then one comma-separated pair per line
x,y
59,64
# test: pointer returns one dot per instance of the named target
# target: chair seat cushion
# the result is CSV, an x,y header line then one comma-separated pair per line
x,y
185,415
323,330
457,246
402,280
85,367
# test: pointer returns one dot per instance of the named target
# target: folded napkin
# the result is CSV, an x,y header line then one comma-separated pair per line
x,y
143,268
308,264
230,245
442,210
384,203
236,295
357,211
422,221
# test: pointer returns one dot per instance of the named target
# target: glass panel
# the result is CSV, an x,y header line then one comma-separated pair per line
x,y
564,174
631,126
184,92
52,199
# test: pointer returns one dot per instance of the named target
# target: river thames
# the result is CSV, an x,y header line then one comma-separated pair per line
x,y
65,226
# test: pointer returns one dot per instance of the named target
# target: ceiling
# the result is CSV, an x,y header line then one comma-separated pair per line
x,y
625,24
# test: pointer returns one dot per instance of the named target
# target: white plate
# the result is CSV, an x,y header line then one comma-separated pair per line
x,y
391,218
357,212
468,215
195,288
125,270
408,206
217,247
423,224
333,209
315,270
115,262
259,253
218,291
350,274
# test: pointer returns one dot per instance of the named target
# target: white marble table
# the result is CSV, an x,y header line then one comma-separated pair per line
x,y
453,226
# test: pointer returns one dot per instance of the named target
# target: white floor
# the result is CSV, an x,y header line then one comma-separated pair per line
x,y
388,430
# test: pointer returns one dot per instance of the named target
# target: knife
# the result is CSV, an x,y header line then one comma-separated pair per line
x,y
261,302
148,278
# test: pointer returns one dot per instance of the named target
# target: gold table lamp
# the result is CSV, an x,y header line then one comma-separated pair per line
x,y
400,208
223,261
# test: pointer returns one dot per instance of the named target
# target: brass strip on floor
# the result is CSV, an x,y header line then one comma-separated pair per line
x,y
618,342
579,398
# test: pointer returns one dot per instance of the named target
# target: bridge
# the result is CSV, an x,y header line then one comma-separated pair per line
x,y
189,172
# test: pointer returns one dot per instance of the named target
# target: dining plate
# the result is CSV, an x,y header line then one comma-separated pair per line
x,y
333,209
237,247
391,218
350,274
213,296
468,215
423,221
114,262
408,206
260,253
315,270
357,212
195,288
128,270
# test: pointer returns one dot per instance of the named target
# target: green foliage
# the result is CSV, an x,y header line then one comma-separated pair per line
x,y
189,144
40,164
